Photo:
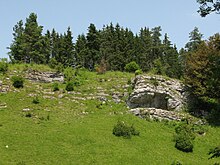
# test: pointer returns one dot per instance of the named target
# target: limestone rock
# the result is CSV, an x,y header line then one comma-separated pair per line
x,y
155,113
46,77
157,92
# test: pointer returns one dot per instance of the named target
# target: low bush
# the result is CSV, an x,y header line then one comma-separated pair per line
x,y
122,129
55,86
184,143
184,138
53,63
36,100
3,66
69,74
18,82
102,67
138,72
132,67
214,152
176,162
70,86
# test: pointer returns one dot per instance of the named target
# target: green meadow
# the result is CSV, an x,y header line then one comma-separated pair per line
x,y
70,128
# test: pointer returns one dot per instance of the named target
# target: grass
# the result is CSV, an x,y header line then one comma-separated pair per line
x,y
78,131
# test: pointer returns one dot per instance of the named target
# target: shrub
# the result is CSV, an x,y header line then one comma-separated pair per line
x,y
70,86
3,66
28,114
18,82
69,74
158,67
132,67
59,68
36,100
184,138
183,143
176,162
53,63
215,152
138,72
122,129
55,86
102,67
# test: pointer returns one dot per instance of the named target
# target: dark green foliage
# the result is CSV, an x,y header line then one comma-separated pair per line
x,y
158,67
183,143
28,114
53,63
70,86
3,65
214,152
176,162
55,86
202,74
184,138
111,48
123,129
132,67
18,82
36,100
69,74
208,6
195,40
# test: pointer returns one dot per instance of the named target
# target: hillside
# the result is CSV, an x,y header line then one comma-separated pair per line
x,y
76,127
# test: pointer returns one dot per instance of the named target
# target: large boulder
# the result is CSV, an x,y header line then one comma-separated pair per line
x,y
157,92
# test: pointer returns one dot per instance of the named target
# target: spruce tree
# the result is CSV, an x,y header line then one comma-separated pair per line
x,y
16,50
81,50
93,45
195,39
33,41
146,42
69,53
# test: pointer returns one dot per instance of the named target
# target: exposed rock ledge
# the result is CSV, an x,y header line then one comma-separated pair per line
x,y
159,114
157,92
47,77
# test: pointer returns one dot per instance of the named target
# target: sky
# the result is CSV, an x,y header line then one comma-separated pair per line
x,y
177,18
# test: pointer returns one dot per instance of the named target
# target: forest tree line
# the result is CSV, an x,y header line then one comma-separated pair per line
x,y
113,46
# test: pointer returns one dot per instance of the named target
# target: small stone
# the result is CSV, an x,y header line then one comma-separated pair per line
x,y
26,109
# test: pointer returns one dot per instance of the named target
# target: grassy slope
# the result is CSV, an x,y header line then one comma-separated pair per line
x,y
71,136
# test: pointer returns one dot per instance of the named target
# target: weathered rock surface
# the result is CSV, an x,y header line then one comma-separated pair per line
x,y
4,87
46,77
159,114
157,92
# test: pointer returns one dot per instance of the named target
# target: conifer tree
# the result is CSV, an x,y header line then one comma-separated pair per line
x,y
146,42
93,45
202,73
81,50
16,49
195,39
68,55
33,41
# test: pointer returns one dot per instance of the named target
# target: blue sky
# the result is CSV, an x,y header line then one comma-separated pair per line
x,y
176,17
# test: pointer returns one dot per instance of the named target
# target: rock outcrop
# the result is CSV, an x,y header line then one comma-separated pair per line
x,y
157,92
159,114
46,77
